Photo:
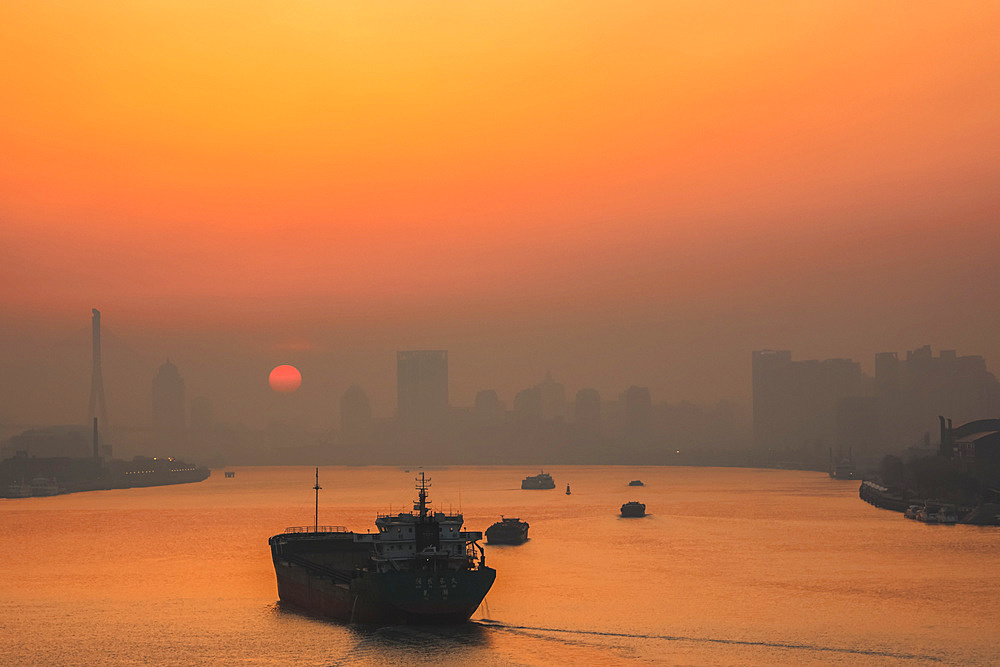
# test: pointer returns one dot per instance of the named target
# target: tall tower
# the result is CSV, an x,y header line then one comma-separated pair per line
x,y
168,399
98,408
422,388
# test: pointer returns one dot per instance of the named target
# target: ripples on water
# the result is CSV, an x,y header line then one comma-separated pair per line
x,y
732,567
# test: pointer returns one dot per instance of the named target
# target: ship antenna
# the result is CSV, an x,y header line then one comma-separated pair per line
x,y
422,485
316,514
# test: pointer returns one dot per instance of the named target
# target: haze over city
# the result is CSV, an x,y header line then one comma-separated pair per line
x,y
635,195
548,332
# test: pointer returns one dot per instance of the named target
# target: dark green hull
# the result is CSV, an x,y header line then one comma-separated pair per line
x,y
384,598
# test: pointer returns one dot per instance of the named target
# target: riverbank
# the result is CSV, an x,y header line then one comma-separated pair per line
x,y
986,514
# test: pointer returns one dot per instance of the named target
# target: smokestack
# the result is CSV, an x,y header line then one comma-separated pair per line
x,y
98,407
945,448
96,450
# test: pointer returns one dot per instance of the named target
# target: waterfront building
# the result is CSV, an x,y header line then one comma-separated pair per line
x,y
913,391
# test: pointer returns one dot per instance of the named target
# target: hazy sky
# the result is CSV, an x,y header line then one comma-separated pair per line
x,y
621,193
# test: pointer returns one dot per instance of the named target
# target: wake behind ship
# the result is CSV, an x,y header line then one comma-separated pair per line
x,y
418,568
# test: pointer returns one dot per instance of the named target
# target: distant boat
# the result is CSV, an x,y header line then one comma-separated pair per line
x,y
542,480
636,482
230,475
633,509
845,469
507,531
567,489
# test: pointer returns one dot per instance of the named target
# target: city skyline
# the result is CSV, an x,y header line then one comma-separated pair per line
x,y
678,185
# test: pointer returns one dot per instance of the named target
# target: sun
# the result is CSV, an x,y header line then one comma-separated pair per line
x,y
285,379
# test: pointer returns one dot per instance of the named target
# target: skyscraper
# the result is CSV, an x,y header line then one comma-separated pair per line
x,y
421,388
168,399
355,415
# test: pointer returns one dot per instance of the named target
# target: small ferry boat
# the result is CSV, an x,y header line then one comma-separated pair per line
x,y
636,482
507,531
633,509
542,480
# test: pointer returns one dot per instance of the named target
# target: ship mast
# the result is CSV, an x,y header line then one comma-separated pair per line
x,y
316,513
421,505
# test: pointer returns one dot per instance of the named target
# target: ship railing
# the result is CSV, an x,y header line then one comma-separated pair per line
x,y
316,529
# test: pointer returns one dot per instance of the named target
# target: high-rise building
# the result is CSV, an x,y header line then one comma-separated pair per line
x,y
553,397
168,399
202,413
910,393
587,410
638,405
488,406
355,415
795,402
422,388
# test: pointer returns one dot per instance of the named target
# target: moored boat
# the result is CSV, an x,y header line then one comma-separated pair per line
x,y
928,513
948,514
18,490
43,486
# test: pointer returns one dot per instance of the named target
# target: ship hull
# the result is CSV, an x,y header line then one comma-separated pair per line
x,y
385,598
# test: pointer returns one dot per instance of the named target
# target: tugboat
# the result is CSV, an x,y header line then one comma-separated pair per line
x,y
636,482
418,568
542,480
507,531
633,509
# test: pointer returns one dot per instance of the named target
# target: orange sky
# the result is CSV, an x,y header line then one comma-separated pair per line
x,y
530,182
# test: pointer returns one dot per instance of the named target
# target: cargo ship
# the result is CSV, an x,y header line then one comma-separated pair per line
x,y
418,568
507,531
542,480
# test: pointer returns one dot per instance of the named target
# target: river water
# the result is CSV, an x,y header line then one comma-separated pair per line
x,y
731,566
